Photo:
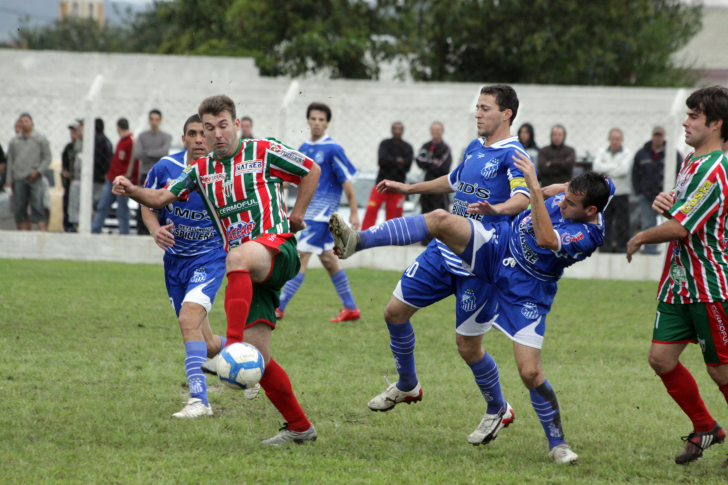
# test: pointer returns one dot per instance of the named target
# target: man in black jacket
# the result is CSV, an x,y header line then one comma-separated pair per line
x,y
647,178
435,159
395,160
67,161
103,153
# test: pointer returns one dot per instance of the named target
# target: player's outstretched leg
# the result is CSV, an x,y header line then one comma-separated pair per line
x,y
402,231
407,389
499,413
198,404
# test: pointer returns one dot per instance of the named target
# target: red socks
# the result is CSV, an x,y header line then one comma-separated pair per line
x,y
724,390
682,387
238,298
278,389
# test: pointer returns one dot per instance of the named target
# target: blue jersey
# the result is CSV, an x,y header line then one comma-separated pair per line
x,y
486,173
335,170
577,241
194,233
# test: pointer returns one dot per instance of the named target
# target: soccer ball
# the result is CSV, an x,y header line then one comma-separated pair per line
x,y
240,366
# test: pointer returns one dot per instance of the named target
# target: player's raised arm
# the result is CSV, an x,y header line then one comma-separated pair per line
x,y
306,189
545,234
438,186
154,198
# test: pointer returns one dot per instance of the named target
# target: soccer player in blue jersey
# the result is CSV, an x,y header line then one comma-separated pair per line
x,y
488,175
336,174
194,264
521,260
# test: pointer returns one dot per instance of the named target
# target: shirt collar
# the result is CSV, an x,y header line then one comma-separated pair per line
x,y
499,144
319,141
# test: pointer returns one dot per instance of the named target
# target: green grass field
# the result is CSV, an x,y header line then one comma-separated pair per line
x,y
91,369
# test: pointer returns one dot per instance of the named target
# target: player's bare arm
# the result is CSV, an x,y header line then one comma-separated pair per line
x,y
545,235
663,203
351,197
553,189
154,198
162,234
515,205
306,189
671,230
440,185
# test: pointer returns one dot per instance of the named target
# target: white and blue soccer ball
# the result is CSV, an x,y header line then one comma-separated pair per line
x,y
240,366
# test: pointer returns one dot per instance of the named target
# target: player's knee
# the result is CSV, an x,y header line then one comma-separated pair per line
x,y
236,260
436,220
470,349
531,376
392,314
660,364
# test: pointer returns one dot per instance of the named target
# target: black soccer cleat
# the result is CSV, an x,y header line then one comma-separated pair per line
x,y
699,442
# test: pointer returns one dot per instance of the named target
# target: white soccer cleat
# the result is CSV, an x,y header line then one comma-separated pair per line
x,y
393,396
210,367
490,426
252,393
194,409
345,238
286,436
563,454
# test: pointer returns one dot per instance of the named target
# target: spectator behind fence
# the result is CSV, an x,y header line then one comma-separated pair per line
x,y
103,154
3,168
29,156
528,140
119,166
395,160
150,146
556,161
648,178
67,158
246,128
615,161
435,159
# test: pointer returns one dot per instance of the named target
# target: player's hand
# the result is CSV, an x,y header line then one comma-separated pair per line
x,y
525,165
354,220
33,176
389,187
553,189
122,186
632,247
296,225
484,208
163,236
663,203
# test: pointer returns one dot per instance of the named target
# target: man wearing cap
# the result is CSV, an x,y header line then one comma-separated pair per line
x,y
647,178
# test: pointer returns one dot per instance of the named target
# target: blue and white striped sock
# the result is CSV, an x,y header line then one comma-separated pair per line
x,y
486,377
196,351
341,283
402,343
546,406
290,289
223,342
401,231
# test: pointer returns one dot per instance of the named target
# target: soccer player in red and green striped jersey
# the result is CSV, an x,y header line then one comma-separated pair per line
x,y
241,186
693,289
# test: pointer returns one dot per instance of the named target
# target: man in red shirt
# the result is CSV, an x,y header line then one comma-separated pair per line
x,y
119,166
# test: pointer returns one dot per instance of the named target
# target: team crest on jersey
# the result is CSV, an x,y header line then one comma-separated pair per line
x,y
239,230
467,301
490,169
530,311
250,166
319,157
199,276
212,178
227,188
678,274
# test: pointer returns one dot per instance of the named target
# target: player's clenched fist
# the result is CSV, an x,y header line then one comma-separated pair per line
x,y
387,186
122,186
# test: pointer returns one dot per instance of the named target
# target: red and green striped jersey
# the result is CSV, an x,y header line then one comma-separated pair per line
x,y
243,193
696,266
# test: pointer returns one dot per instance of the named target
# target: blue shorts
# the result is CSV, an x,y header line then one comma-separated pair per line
x,y
428,280
194,279
523,301
316,238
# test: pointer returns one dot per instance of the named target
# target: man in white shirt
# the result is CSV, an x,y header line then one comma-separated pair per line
x,y
615,161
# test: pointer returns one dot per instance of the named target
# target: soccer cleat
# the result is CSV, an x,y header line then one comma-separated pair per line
x,y
252,393
563,454
286,435
279,314
210,367
345,238
393,396
699,442
491,425
194,409
346,315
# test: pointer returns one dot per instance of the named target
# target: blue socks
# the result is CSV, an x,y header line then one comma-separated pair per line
x,y
486,377
402,343
401,231
341,283
223,342
196,356
546,406
290,289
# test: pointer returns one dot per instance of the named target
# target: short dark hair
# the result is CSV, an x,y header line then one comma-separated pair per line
x,y
26,115
505,98
319,107
247,118
214,105
593,187
99,125
191,119
123,123
155,111
713,102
